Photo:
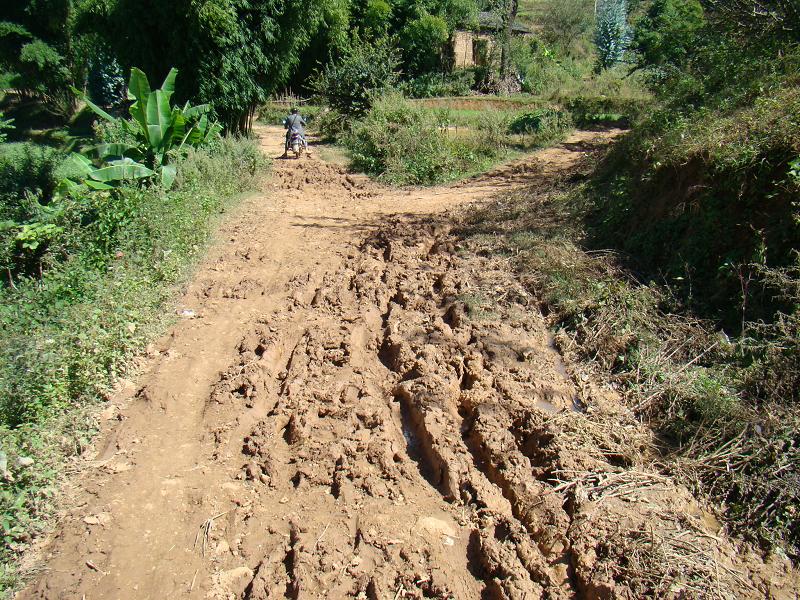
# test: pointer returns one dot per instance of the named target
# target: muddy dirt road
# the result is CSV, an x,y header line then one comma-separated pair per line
x,y
341,414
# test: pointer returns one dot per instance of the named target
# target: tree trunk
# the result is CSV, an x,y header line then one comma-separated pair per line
x,y
509,16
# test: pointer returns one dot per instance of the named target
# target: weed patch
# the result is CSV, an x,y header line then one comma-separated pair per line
x,y
723,407
68,335
404,142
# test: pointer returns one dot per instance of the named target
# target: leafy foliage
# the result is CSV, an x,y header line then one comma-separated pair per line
x,y
160,133
349,83
422,41
39,48
668,32
235,53
105,83
702,195
403,143
772,22
545,121
565,23
25,168
612,33
67,335
5,125
377,17
431,85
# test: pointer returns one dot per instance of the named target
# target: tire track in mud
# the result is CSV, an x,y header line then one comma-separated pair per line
x,y
375,432
375,406
413,449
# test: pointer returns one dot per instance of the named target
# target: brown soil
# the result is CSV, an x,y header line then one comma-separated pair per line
x,y
355,407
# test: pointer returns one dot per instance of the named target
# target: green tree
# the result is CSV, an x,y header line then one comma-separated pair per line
x,y
39,48
422,42
233,53
456,13
377,16
330,38
506,11
668,32
566,23
770,22
350,82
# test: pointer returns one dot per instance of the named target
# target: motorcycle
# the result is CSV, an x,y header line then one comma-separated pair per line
x,y
297,144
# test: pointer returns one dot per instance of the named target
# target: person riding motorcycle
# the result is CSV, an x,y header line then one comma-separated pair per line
x,y
294,123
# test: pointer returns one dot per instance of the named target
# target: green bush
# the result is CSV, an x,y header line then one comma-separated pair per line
x,y
433,85
25,167
5,125
64,338
114,132
422,41
545,124
350,82
698,198
330,124
403,144
276,111
588,110
566,24
540,69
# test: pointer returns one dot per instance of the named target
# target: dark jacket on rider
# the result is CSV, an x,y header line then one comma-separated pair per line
x,y
295,122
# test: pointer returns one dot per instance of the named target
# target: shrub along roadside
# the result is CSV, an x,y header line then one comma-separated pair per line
x,y
67,336
405,143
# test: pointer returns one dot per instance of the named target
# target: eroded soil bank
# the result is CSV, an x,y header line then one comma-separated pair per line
x,y
354,406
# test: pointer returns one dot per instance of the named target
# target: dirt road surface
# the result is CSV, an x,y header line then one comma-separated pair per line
x,y
336,416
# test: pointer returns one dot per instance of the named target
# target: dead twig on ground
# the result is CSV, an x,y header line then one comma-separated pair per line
x,y
205,530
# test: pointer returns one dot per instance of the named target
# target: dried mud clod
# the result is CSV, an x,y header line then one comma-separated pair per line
x,y
415,434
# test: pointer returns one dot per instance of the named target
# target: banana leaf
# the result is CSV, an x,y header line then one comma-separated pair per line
x,y
116,150
139,90
96,109
169,81
159,118
66,187
121,170
214,129
80,162
138,86
176,134
168,173
98,185
191,112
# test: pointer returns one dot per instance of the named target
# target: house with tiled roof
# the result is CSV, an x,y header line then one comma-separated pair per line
x,y
472,47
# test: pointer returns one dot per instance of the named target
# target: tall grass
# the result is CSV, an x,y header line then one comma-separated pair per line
x,y
406,143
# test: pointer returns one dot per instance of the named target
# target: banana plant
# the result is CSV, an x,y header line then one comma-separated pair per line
x,y
160,130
